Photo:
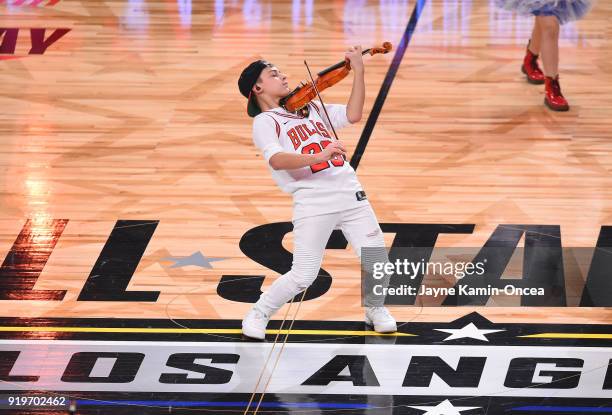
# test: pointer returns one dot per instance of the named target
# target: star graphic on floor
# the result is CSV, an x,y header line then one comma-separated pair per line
x,y
469,331
444,408
196,259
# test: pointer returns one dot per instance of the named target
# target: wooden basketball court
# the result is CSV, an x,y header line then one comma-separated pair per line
x,y
138,214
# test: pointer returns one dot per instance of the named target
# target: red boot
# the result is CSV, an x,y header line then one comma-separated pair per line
x,y
531,69
554,98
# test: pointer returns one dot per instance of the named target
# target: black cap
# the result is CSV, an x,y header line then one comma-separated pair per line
x,y
248,79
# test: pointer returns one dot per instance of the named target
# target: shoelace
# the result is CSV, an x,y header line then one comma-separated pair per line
x,y
259,314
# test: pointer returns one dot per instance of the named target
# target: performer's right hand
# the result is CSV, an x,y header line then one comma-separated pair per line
x,y
335,148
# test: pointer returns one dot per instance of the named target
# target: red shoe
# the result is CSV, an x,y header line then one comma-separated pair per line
x,y
531,69
554,98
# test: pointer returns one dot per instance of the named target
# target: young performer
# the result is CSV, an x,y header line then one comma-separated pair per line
x,y
549,14
306,161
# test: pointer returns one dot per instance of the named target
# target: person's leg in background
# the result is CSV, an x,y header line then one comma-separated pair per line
x,y
549,28
530,65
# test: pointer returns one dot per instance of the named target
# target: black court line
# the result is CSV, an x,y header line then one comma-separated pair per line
x,y
386,85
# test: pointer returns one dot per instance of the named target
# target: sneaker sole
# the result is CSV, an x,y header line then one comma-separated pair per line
x,y
386,330
252,335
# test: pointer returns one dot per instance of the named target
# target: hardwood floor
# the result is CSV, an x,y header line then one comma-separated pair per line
x,y
134,114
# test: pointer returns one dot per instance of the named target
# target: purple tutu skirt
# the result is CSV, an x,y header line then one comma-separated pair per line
x,y
564,10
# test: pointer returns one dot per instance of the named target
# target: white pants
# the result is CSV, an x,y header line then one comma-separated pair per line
x,y
310,236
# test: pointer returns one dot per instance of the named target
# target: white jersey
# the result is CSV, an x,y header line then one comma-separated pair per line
x,y
326,187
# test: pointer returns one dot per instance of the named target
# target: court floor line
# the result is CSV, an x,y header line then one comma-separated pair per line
x,y
196,331
569,336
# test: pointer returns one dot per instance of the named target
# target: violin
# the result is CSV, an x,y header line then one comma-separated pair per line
x,y
298,99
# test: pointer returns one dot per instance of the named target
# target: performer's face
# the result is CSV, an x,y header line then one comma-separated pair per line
x,y
272,82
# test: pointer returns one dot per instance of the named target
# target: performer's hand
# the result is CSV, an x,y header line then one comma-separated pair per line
x,y
353,54
333,149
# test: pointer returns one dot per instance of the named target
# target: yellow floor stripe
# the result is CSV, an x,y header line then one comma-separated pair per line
x,y
570,336
198,331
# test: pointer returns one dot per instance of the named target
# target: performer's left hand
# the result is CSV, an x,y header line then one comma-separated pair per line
x,y
353,54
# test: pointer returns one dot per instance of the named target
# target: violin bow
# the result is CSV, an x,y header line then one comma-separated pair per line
x,y
314,84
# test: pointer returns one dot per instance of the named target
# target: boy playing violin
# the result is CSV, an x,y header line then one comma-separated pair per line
x,y
307,162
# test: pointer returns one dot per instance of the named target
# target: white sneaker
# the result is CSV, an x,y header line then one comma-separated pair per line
x,y
381,319
254,324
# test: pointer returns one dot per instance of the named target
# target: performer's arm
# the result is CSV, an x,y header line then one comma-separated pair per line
x,y
354,108
289,161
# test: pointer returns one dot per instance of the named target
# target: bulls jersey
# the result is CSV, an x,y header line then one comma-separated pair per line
x,y
325,187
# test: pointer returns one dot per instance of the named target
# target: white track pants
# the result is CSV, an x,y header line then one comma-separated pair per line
x,y
310,236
